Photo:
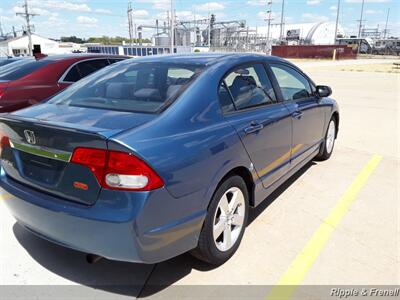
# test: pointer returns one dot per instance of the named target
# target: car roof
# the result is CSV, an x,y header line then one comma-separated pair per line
x,y
79,56
205,58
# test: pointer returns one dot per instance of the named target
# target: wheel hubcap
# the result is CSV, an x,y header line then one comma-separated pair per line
x,y
330,137
229,219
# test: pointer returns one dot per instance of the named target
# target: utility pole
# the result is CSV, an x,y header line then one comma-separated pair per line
x,y
172,29
360,26
337,21
130,21
268,19
387,19
282,21
28,16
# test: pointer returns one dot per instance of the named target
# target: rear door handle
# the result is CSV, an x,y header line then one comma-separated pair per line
x,y
297,114
254,127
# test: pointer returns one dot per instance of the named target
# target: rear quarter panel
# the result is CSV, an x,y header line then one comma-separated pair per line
x,y
35,87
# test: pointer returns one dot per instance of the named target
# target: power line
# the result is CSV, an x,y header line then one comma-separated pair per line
x,y
28,16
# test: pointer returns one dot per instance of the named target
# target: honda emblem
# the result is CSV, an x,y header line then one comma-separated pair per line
x,y
30,137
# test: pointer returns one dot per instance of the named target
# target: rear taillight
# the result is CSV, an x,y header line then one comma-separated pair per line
x,y
118,170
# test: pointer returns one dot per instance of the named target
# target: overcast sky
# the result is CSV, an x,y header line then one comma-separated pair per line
x,y
86,18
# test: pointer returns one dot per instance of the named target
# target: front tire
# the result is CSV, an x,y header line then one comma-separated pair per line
x,y
225,222
328,144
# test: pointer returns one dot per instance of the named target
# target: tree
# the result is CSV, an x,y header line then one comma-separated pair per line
x,y
72,39
106,40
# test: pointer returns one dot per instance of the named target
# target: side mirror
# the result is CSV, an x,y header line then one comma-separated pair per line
x,y
323,91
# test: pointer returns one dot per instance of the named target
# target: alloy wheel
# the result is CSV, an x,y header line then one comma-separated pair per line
x,y
229,219
330,136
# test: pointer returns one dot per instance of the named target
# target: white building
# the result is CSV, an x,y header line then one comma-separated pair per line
x,y
318,33
19,46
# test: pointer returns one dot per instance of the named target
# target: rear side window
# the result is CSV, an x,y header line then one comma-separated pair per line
x,y
225,99
84,68
293,85
247,86
134,87
21,68
73,75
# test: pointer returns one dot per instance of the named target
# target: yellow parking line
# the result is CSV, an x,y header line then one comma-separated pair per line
x,y
298,269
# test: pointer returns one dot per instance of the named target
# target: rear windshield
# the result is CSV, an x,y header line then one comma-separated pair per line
x,y
21,68
135,87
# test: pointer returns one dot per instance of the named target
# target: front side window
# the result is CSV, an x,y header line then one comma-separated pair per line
x,y
84,68
248,86
91,66
127,86
293,85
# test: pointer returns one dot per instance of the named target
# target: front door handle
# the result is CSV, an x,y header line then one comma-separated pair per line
x,y
254,127
297,114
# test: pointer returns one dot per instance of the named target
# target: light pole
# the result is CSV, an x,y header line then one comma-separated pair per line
x,y
172,35
269,18
387,19
360,27
337,21
282,22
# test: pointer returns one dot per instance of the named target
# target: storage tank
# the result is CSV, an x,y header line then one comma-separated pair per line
x,y
317,33
162,40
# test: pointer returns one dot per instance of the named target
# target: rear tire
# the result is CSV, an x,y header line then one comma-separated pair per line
x,y
225,222
328,144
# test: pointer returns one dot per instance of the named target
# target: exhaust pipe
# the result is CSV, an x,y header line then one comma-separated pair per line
x,y
93,258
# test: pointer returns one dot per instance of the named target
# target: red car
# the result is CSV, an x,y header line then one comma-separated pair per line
x,y
29,81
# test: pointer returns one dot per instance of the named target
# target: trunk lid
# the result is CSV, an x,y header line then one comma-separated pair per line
x,y
43,138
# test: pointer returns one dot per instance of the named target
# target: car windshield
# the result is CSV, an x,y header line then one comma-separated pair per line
x,y
145,87
21,68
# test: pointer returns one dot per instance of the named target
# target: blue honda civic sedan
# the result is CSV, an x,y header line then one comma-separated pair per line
x,y
153,157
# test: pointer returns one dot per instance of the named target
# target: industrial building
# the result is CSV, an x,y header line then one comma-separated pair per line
x,y
19,46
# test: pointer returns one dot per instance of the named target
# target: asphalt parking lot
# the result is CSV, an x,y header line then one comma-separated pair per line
x,y
358,187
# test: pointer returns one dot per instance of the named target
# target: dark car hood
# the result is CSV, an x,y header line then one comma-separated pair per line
x,y
104,122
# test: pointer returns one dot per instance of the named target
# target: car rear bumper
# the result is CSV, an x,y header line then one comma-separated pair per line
x,y
129,229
